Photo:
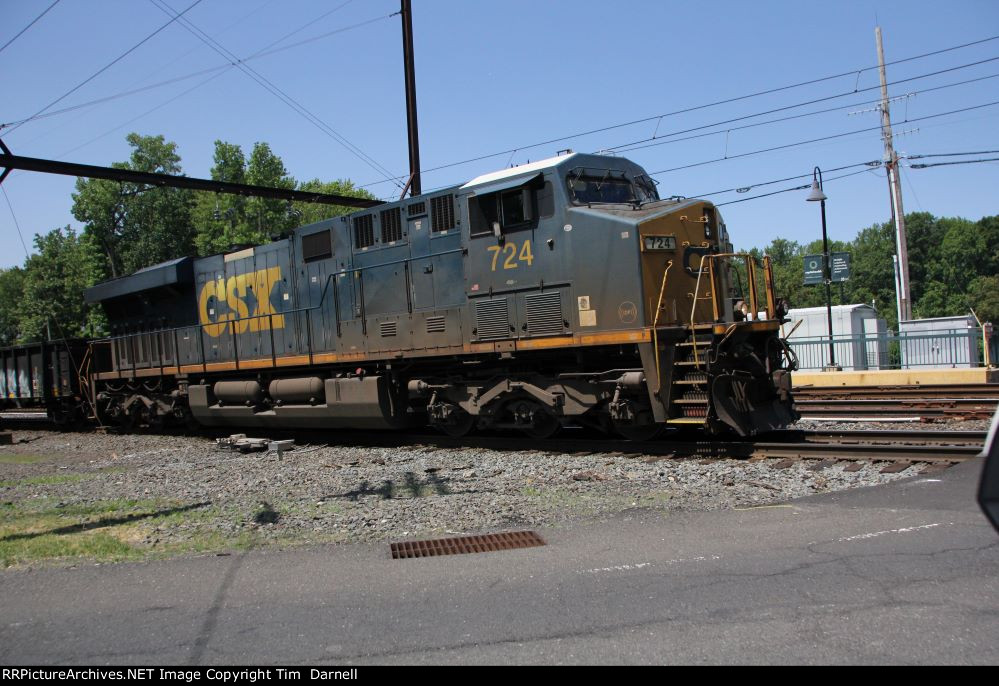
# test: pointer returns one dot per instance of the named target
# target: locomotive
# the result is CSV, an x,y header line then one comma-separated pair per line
x,y
556,293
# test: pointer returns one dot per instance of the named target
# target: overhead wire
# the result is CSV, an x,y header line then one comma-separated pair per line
x,y
33,21
947,164
105,67
201,72
204,82
635,145
16,224
817,140
268,85
561,139
788,190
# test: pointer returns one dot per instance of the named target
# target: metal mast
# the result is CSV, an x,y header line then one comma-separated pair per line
x,y
414,137
895,192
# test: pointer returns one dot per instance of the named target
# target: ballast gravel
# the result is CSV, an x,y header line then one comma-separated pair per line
x,y
336,493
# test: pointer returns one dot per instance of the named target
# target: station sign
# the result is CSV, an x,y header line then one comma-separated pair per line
x,y
814,269
840,266
839,271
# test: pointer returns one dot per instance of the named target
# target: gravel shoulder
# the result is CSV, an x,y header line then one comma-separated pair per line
x,y
67,498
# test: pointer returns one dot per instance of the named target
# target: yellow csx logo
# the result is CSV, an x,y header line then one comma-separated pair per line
x,y
238,293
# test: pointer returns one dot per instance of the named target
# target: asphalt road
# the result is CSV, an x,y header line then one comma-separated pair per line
x,y
906,573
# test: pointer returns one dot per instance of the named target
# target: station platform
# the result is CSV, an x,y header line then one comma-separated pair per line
x,y
896,377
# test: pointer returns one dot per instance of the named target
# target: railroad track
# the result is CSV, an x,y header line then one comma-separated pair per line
x,y
900,448
942,448
982,392
871,408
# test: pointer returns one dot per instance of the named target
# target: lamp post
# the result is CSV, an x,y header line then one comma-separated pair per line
x,y
816,194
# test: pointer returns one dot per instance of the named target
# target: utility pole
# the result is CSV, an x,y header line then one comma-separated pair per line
x,y
895,193
406,11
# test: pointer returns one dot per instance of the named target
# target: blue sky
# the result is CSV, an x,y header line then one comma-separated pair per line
x,y
500,77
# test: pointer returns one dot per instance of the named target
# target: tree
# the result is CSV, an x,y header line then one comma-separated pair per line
x,y
134,225
311,212
226,221
11,295
51,304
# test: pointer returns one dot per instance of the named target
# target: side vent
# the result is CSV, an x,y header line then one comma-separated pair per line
x,y
492,321
391,225
364,231
442,211
387,329
317,246
544,314
436,325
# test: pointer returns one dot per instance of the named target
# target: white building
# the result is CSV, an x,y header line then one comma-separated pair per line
x,y
859,335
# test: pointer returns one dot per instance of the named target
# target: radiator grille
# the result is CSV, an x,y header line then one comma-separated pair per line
x,y
492,320
544,313
387,329
442,211
417,209
364,231
436,325
391,225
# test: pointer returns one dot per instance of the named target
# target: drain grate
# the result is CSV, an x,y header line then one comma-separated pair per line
x,y
466,544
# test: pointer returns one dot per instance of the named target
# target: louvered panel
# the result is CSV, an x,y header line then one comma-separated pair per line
x,y
492,320
544,313
387,329
436,325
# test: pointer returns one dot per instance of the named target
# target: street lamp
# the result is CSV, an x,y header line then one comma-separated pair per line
x,y
816,194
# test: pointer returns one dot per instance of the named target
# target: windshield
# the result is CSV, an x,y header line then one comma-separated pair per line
x,y
609,187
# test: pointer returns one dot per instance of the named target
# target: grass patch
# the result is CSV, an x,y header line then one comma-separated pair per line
x,y
103,531
45,480
22,459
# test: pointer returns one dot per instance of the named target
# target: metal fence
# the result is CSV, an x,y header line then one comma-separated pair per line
x,y
951,348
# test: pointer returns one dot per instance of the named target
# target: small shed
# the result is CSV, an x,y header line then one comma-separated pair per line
x,y
859,337
940,342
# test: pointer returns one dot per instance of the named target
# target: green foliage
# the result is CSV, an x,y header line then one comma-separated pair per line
x,y
133,225
11,290
953,266
222,222
55,278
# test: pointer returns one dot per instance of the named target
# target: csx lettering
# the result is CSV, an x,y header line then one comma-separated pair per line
x,y
233,292
512,257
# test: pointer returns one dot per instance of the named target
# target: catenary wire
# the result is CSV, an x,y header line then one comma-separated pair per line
x,y
16,224
281,95
44,12
817,140
106,66
192,75
802,104
203,82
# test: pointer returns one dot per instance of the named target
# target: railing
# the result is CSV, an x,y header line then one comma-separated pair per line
x,y
946,349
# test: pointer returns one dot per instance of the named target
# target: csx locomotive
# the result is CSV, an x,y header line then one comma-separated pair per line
x,y
561,292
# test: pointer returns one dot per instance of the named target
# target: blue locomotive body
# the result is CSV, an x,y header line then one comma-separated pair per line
x,y
559,292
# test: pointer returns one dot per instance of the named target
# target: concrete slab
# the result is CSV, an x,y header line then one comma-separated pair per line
x,y
896,377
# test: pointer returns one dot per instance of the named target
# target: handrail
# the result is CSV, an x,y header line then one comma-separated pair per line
x,y
322,300
655,325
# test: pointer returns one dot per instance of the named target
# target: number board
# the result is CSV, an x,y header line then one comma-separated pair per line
x,y
659,243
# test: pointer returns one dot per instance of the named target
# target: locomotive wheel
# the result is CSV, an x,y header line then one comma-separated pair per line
x,y
461,424
643,430
545,426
